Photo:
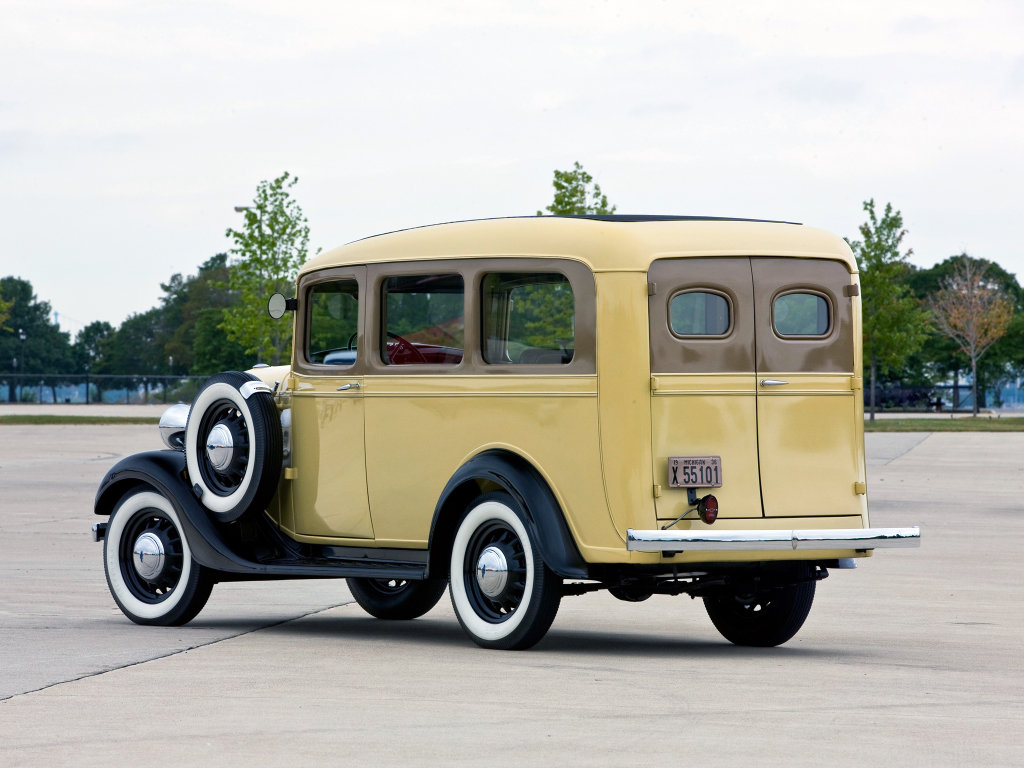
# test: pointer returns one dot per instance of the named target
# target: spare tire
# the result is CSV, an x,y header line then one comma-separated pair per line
x,y
233,445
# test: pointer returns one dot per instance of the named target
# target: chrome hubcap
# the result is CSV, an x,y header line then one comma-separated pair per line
x,y
492,572
148,556
220,447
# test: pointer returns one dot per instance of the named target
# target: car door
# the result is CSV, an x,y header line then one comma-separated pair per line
x,y
809,451
329,497
703,398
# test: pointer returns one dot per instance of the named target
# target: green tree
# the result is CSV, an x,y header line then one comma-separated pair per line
x,y
135,347
5,311
577,195
894,322
194,308
45,349
973,311
88,346
942,355
268,252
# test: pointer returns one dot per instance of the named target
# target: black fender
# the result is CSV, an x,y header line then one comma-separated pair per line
x,y
164,471
493,470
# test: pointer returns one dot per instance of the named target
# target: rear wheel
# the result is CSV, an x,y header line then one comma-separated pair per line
x,y
503,593
396,598
149,565
763,618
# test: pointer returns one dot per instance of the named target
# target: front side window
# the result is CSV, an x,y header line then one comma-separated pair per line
x,y
424,320
801,314
333,322
699,313
528,319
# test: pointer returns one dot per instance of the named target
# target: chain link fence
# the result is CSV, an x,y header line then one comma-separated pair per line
x,y
91,388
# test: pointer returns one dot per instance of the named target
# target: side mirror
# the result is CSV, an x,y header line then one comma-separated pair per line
x,y
278,305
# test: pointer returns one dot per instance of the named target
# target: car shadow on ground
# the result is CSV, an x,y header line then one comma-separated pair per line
x,y
447,632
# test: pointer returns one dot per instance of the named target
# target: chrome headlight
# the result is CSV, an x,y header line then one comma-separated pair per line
x,y
172,426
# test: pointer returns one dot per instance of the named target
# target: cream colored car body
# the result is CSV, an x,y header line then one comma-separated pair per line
x,y
373,445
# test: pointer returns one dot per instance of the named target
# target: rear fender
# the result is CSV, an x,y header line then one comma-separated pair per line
x,y
511,473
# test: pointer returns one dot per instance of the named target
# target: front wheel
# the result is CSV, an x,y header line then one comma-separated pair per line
x,y
503,593
149,566
396,598
765,618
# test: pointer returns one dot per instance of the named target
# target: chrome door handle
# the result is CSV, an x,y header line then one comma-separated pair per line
x,y
353,385
773,382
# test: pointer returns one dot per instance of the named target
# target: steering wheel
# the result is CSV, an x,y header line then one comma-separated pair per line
x,y
404,348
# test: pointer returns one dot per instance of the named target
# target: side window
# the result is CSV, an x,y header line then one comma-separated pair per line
x,y
333,323
424,320
801,314
699,313
528,319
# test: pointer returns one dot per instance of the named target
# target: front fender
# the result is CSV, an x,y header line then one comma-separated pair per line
x,y
164,471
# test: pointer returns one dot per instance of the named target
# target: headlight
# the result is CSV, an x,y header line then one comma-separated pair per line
x,y
172,426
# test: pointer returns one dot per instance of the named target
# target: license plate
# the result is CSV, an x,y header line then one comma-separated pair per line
x,y
694,472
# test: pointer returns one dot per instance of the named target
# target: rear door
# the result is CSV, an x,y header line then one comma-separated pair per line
x,y
752,361
704,390
807,409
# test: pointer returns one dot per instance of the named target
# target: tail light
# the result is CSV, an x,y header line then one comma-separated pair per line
x,y
707,509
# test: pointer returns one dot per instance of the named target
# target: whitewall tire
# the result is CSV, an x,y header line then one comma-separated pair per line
x,y
503,593
149,565
233,445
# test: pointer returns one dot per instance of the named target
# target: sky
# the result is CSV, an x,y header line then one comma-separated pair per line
x,y
130,130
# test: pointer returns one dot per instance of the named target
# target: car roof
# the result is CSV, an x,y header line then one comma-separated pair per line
x,y
604,243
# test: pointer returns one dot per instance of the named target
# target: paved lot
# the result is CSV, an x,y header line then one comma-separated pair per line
x,y
913,659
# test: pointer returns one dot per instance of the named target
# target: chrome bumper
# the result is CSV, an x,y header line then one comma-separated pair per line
x,y
719,541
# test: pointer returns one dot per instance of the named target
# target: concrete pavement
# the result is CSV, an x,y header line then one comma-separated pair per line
x,y
912,659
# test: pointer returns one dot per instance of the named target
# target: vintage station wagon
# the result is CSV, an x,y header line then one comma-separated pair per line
x,y
522,409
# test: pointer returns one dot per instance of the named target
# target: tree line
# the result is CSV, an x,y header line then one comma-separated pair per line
x,y
210,321
961,319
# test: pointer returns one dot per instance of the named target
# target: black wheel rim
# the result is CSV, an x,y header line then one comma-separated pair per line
x,y
497,608
227,480
161,585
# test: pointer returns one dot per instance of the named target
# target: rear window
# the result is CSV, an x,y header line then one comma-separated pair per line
x,y
699,313
801,314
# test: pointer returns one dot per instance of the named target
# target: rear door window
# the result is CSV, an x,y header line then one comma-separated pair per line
x,y
699,313
801,314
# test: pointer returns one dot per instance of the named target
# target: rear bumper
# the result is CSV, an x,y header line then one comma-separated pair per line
x,y
704,540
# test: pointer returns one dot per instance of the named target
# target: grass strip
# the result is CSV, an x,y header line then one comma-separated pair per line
x,y
969,424
26,418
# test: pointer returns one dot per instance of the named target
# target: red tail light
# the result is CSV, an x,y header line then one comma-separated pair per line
x,y
707,508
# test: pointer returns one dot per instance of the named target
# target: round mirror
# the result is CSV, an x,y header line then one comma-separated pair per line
x,y
276,306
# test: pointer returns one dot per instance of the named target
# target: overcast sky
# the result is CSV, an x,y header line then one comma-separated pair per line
x,y
129,130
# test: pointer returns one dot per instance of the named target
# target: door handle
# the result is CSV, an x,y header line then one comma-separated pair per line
x,y
773,382
353,385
